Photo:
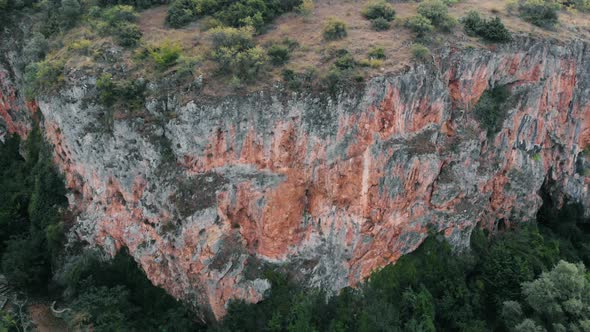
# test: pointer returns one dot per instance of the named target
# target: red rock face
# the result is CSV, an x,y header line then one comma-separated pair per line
x,y
13,110
331,190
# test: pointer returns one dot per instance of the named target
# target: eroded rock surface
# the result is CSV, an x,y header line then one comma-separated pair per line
x,y
206,194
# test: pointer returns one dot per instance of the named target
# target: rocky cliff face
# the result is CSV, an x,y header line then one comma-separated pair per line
x,y
206,194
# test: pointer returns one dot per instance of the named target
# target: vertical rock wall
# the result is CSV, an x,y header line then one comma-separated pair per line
x,y
206,194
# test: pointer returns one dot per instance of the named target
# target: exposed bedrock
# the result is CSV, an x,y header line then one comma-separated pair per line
x,y
207,193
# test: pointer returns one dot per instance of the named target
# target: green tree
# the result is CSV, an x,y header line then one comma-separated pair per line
x,y
70,11
559,300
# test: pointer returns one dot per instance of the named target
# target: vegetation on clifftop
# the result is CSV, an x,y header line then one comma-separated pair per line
x,y
176,41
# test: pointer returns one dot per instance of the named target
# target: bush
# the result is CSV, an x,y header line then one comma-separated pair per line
x,y
80,45
43,77
279,54
297,81
180,13
334,30
120,13
333,80
583,5
235,52
255,13
127,93
345,61
35,48
435,10
492,30
127,35
227,37
380,24
420,25
377,53
165,54
438,14
379,10
70,11
420,52
542,13
209,23
373,63
119,22
491,110
106,89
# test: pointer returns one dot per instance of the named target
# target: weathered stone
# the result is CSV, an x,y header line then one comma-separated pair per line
x,y
329,189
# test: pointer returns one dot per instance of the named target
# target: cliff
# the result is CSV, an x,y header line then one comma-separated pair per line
x,y
207,194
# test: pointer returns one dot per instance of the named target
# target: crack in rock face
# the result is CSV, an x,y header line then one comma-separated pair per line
x,y
327,189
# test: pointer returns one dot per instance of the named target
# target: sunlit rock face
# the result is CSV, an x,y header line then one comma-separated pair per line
x,y
206,194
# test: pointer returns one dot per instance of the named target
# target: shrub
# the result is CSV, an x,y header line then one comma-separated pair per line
x,y
165,54
235,52
227,37
296,81
435,10
492,30
420,52
180,13
120,13
377,53
306,7
542,13
106,89
420,25
70,11
209,23
127,34
491,110
248,64
42,77
380,24
379,10
35,48
119,22
438,14
345,61
127,93
279,54
373,63
255,13
333,80
80,45
334,30
583,5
